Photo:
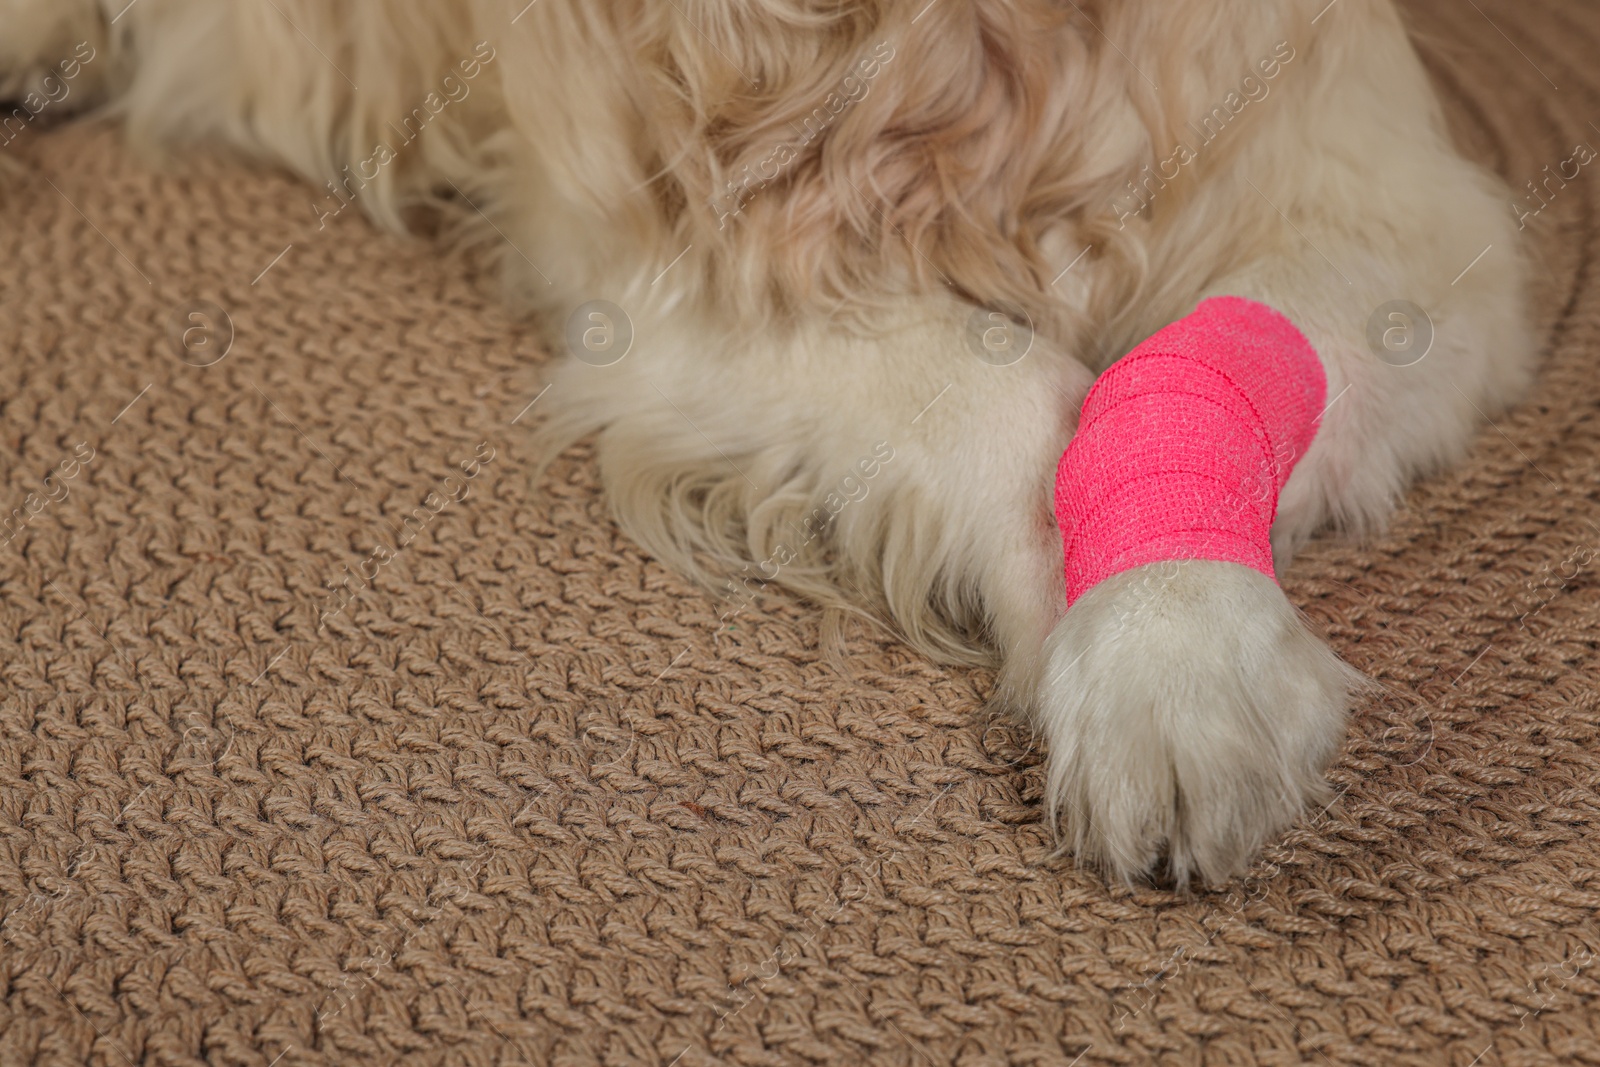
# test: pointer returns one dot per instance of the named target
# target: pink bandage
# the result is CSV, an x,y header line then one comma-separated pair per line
x,y
1185,443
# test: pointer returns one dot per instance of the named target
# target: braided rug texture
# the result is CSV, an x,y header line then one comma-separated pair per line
x,y
521,802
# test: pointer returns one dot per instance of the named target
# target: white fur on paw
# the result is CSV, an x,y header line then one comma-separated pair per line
x,y
1190,715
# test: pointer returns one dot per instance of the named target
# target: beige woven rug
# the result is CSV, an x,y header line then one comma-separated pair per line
x,y
520,802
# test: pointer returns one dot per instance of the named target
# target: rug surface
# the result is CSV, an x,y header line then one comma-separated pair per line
x,y
524,800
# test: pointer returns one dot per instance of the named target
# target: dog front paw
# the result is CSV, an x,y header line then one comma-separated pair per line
x,y
1190,714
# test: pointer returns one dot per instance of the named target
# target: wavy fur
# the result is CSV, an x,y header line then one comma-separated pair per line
x,y
801,205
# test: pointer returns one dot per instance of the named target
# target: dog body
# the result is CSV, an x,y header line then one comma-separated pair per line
x,y
836,279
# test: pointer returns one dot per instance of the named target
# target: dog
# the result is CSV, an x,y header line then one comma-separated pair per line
x,y
835,279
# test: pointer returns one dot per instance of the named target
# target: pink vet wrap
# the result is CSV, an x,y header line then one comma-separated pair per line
x,y
1185,443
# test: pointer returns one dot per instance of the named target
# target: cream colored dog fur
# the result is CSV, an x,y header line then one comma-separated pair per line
x,y
809,210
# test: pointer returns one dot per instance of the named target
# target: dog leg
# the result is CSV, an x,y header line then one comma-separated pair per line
x,y
1188,709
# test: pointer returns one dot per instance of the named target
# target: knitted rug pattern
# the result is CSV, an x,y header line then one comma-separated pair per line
x,y
508,793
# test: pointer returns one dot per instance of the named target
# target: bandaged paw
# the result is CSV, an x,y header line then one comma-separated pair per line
x,y
1185,443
